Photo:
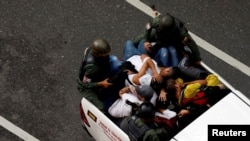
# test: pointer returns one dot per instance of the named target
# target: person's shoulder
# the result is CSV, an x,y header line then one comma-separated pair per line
x,y
191,90
155,21
151,135
90,66
181,26
179,22
138,121
134,58
157,18
90,69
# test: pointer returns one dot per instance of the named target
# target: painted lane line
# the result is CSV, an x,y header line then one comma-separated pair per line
x,y
16,130
200,42
220,54
143,7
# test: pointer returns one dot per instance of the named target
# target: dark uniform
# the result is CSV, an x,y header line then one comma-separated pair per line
x,y
141,127
93,80
176,36
94,73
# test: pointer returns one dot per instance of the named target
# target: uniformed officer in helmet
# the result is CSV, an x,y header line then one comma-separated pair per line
x,y
100,49
97,68
141,126
166,39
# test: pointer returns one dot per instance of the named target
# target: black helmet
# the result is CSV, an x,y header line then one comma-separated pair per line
x,y
100,47
146,110
167,23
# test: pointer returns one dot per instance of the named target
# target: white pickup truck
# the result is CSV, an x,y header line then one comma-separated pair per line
x,y
233,109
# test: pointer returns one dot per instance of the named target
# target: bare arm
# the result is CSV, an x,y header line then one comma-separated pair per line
x,y
147,64
124,90
202,82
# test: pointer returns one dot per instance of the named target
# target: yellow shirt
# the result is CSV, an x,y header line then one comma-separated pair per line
x,y
191,90
212,80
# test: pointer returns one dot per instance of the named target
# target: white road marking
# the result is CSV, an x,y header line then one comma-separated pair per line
x,y
16,130
200,42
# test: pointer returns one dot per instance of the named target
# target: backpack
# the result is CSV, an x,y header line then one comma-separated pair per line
x,y
199,99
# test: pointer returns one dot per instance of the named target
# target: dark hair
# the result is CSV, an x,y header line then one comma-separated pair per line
x,y
170,86
176,72
128,65
161,104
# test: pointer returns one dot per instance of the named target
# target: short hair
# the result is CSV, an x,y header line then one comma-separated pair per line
x,y
176,73
170,86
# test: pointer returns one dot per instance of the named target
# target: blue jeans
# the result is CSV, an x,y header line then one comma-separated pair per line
x,y
115,64
165,56
129,50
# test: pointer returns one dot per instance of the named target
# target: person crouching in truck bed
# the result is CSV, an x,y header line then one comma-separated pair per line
x,y
95,72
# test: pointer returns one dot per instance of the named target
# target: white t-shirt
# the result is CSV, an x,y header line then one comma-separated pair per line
x,y
137,62
120,108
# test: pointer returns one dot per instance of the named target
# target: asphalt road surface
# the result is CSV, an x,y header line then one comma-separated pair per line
x,y
41,45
